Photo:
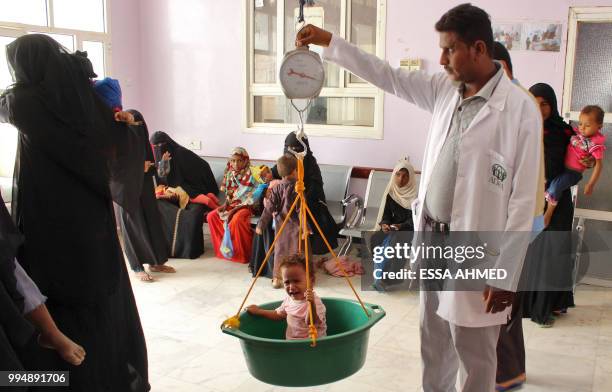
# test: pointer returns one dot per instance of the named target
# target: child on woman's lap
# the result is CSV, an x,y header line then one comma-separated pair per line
x,y
588,141
277,204
294,308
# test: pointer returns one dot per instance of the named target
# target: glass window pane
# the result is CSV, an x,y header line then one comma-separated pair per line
x,y
363,28
67,41
33,12
264,41
95,54
324,110
325,14
5,75
592,80
79,14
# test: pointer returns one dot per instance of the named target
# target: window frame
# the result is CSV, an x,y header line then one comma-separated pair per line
x,y
12,29
344,90
576,15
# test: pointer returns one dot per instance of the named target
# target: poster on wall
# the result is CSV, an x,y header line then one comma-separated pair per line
x,y
544,37
535,36
509,34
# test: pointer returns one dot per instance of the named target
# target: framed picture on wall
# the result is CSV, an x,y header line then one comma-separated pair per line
x,y
542,36
509,34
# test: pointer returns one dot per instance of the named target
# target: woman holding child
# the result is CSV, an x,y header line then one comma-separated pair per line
x,y
71,151
539,304
239,186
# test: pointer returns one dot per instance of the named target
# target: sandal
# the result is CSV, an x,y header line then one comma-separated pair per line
x,y
144,277
162,268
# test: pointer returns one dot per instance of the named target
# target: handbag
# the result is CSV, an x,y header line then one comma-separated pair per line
x,y
227,248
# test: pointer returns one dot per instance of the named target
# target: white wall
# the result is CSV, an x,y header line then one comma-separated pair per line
x,y
191,74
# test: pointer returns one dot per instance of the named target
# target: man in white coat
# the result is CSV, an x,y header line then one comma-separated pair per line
x,y
480,173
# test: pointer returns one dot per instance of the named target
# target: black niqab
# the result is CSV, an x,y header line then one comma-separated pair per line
x,y
313,180
557,133
187,169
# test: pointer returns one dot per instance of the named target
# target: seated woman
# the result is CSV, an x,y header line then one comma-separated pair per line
x,y
188,184
395,214
239,186
187,169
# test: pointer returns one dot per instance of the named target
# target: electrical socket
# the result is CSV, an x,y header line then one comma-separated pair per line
x,y
194,145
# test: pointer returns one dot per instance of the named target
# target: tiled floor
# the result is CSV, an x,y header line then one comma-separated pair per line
x,y
181,314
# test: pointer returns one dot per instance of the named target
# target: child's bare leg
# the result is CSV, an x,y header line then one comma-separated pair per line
x,y
550,209
51,337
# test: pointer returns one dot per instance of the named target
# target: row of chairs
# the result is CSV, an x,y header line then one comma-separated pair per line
x,y
335,183
362,213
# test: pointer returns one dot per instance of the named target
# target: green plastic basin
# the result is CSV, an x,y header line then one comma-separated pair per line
x,y
293,363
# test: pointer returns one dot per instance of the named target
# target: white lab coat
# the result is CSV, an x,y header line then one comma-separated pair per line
x,y
506,132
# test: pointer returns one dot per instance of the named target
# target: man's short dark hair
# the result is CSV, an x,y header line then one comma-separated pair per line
x,y
595,110
470,23
286,165
501,53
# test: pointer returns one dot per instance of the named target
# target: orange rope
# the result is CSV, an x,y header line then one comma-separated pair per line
x,y
263,264
303,232
336,258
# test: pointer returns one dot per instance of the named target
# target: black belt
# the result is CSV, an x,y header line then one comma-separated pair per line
x,y
437,227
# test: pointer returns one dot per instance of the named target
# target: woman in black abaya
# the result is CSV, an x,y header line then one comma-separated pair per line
x,y
183,227
73,159
555,250
187,170
315,197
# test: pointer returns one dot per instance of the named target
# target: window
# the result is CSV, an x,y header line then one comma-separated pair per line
x,y
347,105
76,24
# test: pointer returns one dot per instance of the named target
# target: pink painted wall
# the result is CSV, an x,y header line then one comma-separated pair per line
x,y
125,48
191,61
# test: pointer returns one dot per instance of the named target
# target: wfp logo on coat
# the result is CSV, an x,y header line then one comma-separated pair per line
x,y
498,175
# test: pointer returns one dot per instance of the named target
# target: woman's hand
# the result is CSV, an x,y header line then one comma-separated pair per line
x,y
385,227
147,165
125,117
166,156
395,227
258,231
588,189
310,34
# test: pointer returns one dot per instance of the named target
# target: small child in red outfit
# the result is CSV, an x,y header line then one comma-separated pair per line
x,y
588,141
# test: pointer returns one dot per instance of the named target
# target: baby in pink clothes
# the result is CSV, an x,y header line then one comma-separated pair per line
x,y
294,308
588,141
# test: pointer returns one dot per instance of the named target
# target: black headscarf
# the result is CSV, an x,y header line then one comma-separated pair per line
x,y
53,103
144,130
312,173
557,133
68,140
187,169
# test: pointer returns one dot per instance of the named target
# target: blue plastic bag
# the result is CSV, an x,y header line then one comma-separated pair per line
x,y
227,248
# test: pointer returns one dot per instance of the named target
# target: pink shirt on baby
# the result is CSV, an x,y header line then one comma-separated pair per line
x,y
298,320
581,147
